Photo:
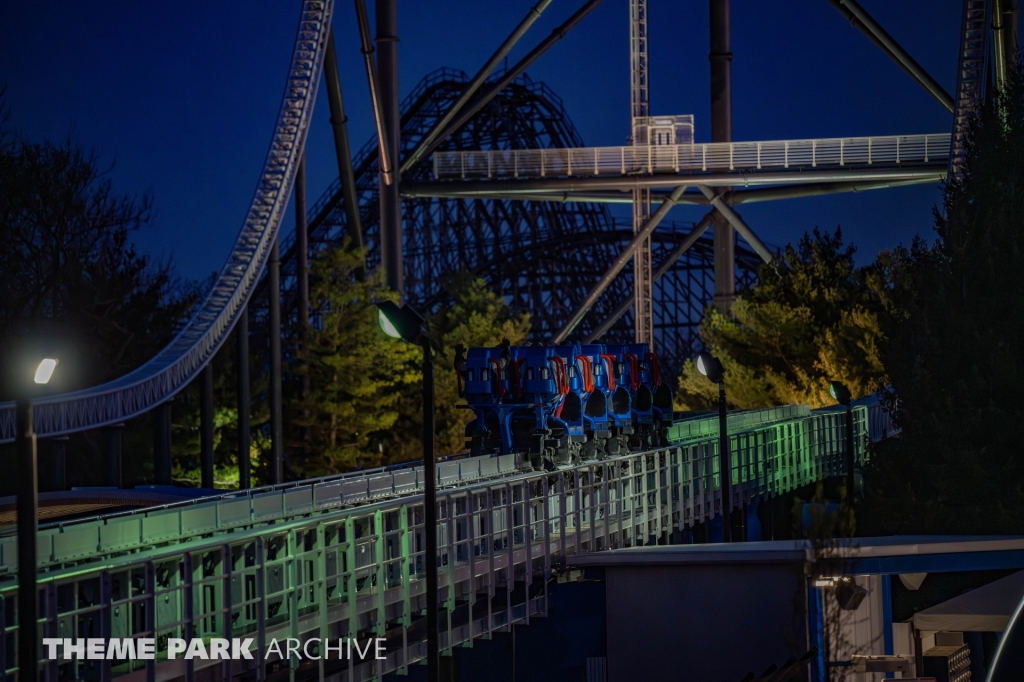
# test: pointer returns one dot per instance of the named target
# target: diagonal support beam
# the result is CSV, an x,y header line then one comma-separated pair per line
x,y
860,19
384,157
696,233
424,145
737,222
342,149
619,263
513,73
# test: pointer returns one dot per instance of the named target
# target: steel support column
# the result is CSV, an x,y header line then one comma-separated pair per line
x,y
206,425
390,197
276,417
643,295
242,388
342,149
113,438
721,131
162,444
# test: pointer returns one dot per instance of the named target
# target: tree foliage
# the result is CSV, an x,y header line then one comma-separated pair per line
x,y
955,353
806,322
357,373
74,285
70,272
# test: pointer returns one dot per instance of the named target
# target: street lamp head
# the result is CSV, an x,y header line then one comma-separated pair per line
x,y
710,366
45,370
840,393
400,322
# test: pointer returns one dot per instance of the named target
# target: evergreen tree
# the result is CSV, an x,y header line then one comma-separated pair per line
x,y
357,373
955,353
806,323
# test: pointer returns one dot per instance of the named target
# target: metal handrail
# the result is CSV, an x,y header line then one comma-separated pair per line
x,y
707,157
178,363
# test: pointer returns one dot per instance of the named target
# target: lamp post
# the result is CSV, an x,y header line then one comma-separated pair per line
x,y
711,367
406,324
841,394
28,527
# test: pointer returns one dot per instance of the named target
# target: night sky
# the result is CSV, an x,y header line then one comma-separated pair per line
x,y
181,97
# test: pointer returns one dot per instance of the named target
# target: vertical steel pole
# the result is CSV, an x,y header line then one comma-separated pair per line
x,y
28,527
721,131
162,444
206,424
302,273
276,417
390,198
242,388
724,468
851,455
113,437
643,282
430,509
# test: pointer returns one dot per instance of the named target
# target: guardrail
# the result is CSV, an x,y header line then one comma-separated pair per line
x,y
892,150
344,556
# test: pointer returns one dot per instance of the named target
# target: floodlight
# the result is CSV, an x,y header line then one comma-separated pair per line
x,y
45,370
709,366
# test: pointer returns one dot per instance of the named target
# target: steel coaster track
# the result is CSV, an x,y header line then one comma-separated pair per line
x,y
175,366
357,570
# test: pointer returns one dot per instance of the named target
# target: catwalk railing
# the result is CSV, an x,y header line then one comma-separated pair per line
x,y
840,152
342,556
176,365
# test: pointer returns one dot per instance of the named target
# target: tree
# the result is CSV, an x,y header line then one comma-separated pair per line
x,y
955,350
74,283
357,373
477,318
809,320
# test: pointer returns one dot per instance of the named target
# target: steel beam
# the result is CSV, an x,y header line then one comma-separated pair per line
x,y
720,58
737,222
206,425
114,453
242,390
514,72
425,143
860,19
618,264
162,444
274,331
390,198
342,149
477,188
734,197
375,96
688,241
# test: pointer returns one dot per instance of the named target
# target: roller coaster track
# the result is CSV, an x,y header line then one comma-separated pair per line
x,y
970,77
176,365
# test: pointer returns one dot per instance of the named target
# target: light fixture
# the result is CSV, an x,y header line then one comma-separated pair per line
x,y
839,392
400,322
386,325
45,370
710,366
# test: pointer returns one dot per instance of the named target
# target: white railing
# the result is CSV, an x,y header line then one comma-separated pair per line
x,y
716,156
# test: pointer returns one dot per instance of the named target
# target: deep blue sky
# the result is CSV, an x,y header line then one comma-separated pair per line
x,y
182,96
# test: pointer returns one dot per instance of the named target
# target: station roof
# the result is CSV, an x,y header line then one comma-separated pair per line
x,y
985,609
892,554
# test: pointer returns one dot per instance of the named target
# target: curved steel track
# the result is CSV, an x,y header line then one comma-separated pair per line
x,y
176,365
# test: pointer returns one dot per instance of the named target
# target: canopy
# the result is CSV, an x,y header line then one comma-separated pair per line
x,y
986,609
